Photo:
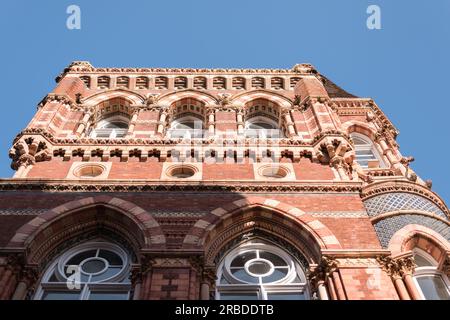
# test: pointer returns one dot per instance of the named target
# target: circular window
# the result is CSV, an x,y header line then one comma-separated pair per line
x,y
181,172
89,171
274,172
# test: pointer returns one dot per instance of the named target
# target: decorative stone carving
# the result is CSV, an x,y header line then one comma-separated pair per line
x,y
28,151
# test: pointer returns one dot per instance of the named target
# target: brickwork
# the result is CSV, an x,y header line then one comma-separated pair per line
x,y
100,160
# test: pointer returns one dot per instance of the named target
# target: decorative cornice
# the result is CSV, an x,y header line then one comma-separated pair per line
x,y
86,67
157,185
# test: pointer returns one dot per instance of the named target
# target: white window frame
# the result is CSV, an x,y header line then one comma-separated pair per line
x,y
118,282
369,146
197,132
275,132
428,271
114,133
284,285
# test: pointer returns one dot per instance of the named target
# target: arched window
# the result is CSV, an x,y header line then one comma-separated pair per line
x,y
92,271
366,154
257,270
186,127
111,127
432,284
261,127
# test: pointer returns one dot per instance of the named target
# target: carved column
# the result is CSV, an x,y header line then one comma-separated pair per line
x,y
133,120
162,121
394,270
210,111
407,268
207,282
326,273
240,120
339,164
289,122
27,279
84,122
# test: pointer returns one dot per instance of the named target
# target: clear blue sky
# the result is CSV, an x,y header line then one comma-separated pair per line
x,y
404,66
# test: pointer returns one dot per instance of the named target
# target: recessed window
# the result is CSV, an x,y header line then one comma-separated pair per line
x,y
431,282
365,152
258,83
161,82
88,171
86,80
96,270
142,82
293,81
219,83
200,83
259,271
262,127
111,128
186,127
276,83
123,82
238,83
180,82
103,82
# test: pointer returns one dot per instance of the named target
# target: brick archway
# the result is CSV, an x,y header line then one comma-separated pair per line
x,y
243,98
152,233
132,96
315,230
401,241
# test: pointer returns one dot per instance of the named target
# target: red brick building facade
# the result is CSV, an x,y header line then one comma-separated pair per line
x,y
138,183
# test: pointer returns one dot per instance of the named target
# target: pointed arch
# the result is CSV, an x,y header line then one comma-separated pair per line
x,y
59,224
250,209
420,236
361,128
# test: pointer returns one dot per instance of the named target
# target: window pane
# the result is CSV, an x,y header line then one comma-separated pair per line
x,y
276,260
81,256
239,296
241,259
111,271
111,257
422,262
278,274
241,274
433,288
61,295
285,296
105,295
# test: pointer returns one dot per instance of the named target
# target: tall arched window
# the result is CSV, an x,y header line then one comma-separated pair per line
x,y
257,270
432,284
94,270
366,154
186,127
115,126
261,127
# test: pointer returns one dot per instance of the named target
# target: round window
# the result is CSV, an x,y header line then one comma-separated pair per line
x,y
274,172
89,171
181,172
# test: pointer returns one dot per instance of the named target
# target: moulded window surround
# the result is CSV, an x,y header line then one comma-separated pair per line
x,y
181,171
257,270
431,283
111,128
81,170
96,270
273,171
366,154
